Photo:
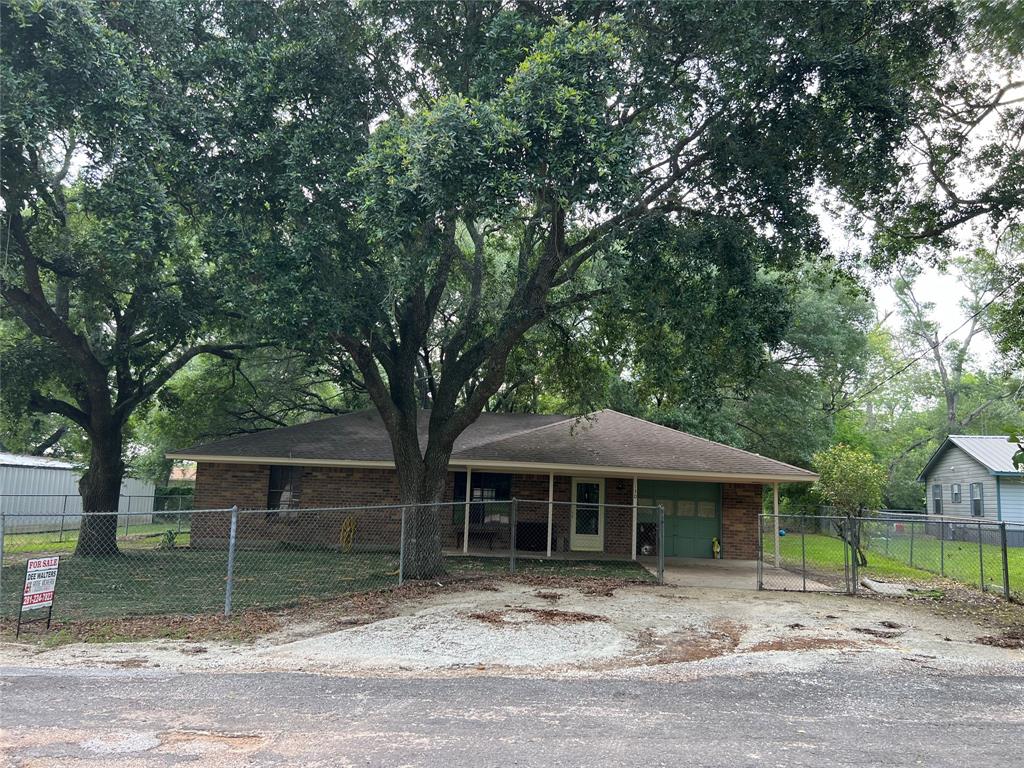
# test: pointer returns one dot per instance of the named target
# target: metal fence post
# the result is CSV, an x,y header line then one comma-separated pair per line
x,y
803,557
512,538
942,547
981,560
911,543
128,517
63,512
661,543
401,551
2,526
760,552
229,583
1006,560
854,553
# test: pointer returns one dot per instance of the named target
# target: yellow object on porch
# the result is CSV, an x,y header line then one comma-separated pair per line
x,y
716,549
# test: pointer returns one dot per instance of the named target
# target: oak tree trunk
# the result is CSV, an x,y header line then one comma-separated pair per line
x,y
100,488
421,483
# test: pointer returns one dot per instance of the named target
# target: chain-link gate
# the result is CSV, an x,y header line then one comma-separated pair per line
x,y
807,554
832,553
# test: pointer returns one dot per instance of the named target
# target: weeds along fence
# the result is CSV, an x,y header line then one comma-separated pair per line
x,y
835,553
223,560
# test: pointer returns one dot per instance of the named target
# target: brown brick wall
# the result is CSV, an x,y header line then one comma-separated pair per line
x,y
222,485
741,506
618,521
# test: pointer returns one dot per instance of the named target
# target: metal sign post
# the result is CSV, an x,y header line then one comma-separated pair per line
x,y
40,585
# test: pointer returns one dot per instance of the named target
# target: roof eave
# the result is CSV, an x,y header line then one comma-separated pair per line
x,y
537,467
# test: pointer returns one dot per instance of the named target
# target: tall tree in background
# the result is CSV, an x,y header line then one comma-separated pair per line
x,y
106,291
536,160
926,383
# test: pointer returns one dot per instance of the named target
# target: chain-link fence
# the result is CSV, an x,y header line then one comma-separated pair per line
x,y
219,561
41,513
836,553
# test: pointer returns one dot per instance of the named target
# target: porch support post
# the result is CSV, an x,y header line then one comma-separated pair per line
x,y
551,508
465,513
775,511
633,550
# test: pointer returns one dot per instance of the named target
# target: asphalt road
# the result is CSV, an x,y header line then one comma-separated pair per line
x,y
842,717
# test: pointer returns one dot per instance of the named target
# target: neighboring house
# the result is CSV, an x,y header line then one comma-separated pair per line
x,y
974,476
38,493
586,485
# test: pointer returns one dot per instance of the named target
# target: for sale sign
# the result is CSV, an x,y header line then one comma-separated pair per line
x,y
40,581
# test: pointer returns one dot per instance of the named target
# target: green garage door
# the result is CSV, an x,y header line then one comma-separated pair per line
x,y
692,515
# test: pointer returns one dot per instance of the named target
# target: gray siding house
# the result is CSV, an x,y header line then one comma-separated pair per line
x,y
974,476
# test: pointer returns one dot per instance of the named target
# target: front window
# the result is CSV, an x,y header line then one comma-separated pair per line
x,y
977,500
282,489
937,498
954,493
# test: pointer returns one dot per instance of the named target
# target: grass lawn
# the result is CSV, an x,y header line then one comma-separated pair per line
x,y
152,581
141,536
157,581
892,559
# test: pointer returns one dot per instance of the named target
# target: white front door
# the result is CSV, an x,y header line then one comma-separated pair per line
x,y
587,531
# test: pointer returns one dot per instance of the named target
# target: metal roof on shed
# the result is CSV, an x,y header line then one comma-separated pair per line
x,y
994,452
38,462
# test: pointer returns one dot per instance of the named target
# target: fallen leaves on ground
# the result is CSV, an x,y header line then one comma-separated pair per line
x,y
509,616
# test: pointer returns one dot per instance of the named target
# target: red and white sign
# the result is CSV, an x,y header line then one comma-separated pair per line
x,y
40,581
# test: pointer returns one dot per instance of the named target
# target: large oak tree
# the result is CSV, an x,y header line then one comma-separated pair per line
x,y
423,185
106,289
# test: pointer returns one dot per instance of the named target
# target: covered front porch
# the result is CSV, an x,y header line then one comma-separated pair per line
x,y
600,516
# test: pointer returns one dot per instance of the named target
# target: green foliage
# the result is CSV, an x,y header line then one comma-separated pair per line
x,y
849,480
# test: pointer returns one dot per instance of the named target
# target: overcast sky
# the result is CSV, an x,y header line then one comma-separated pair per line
x,y
946,291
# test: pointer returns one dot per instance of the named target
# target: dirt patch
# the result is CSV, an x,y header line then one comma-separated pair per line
x,y
1013,638
953,600
243,626
211,737
551,597
513,616
132,663
801,644
720,638
885,634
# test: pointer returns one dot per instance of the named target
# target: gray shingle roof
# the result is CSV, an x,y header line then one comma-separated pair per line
x,y
604,439
994,452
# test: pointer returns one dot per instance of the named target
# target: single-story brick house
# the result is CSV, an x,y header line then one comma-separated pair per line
x,y
583,485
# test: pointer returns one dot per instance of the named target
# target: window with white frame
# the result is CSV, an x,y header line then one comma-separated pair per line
x,y
954,493
977,500
937,498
